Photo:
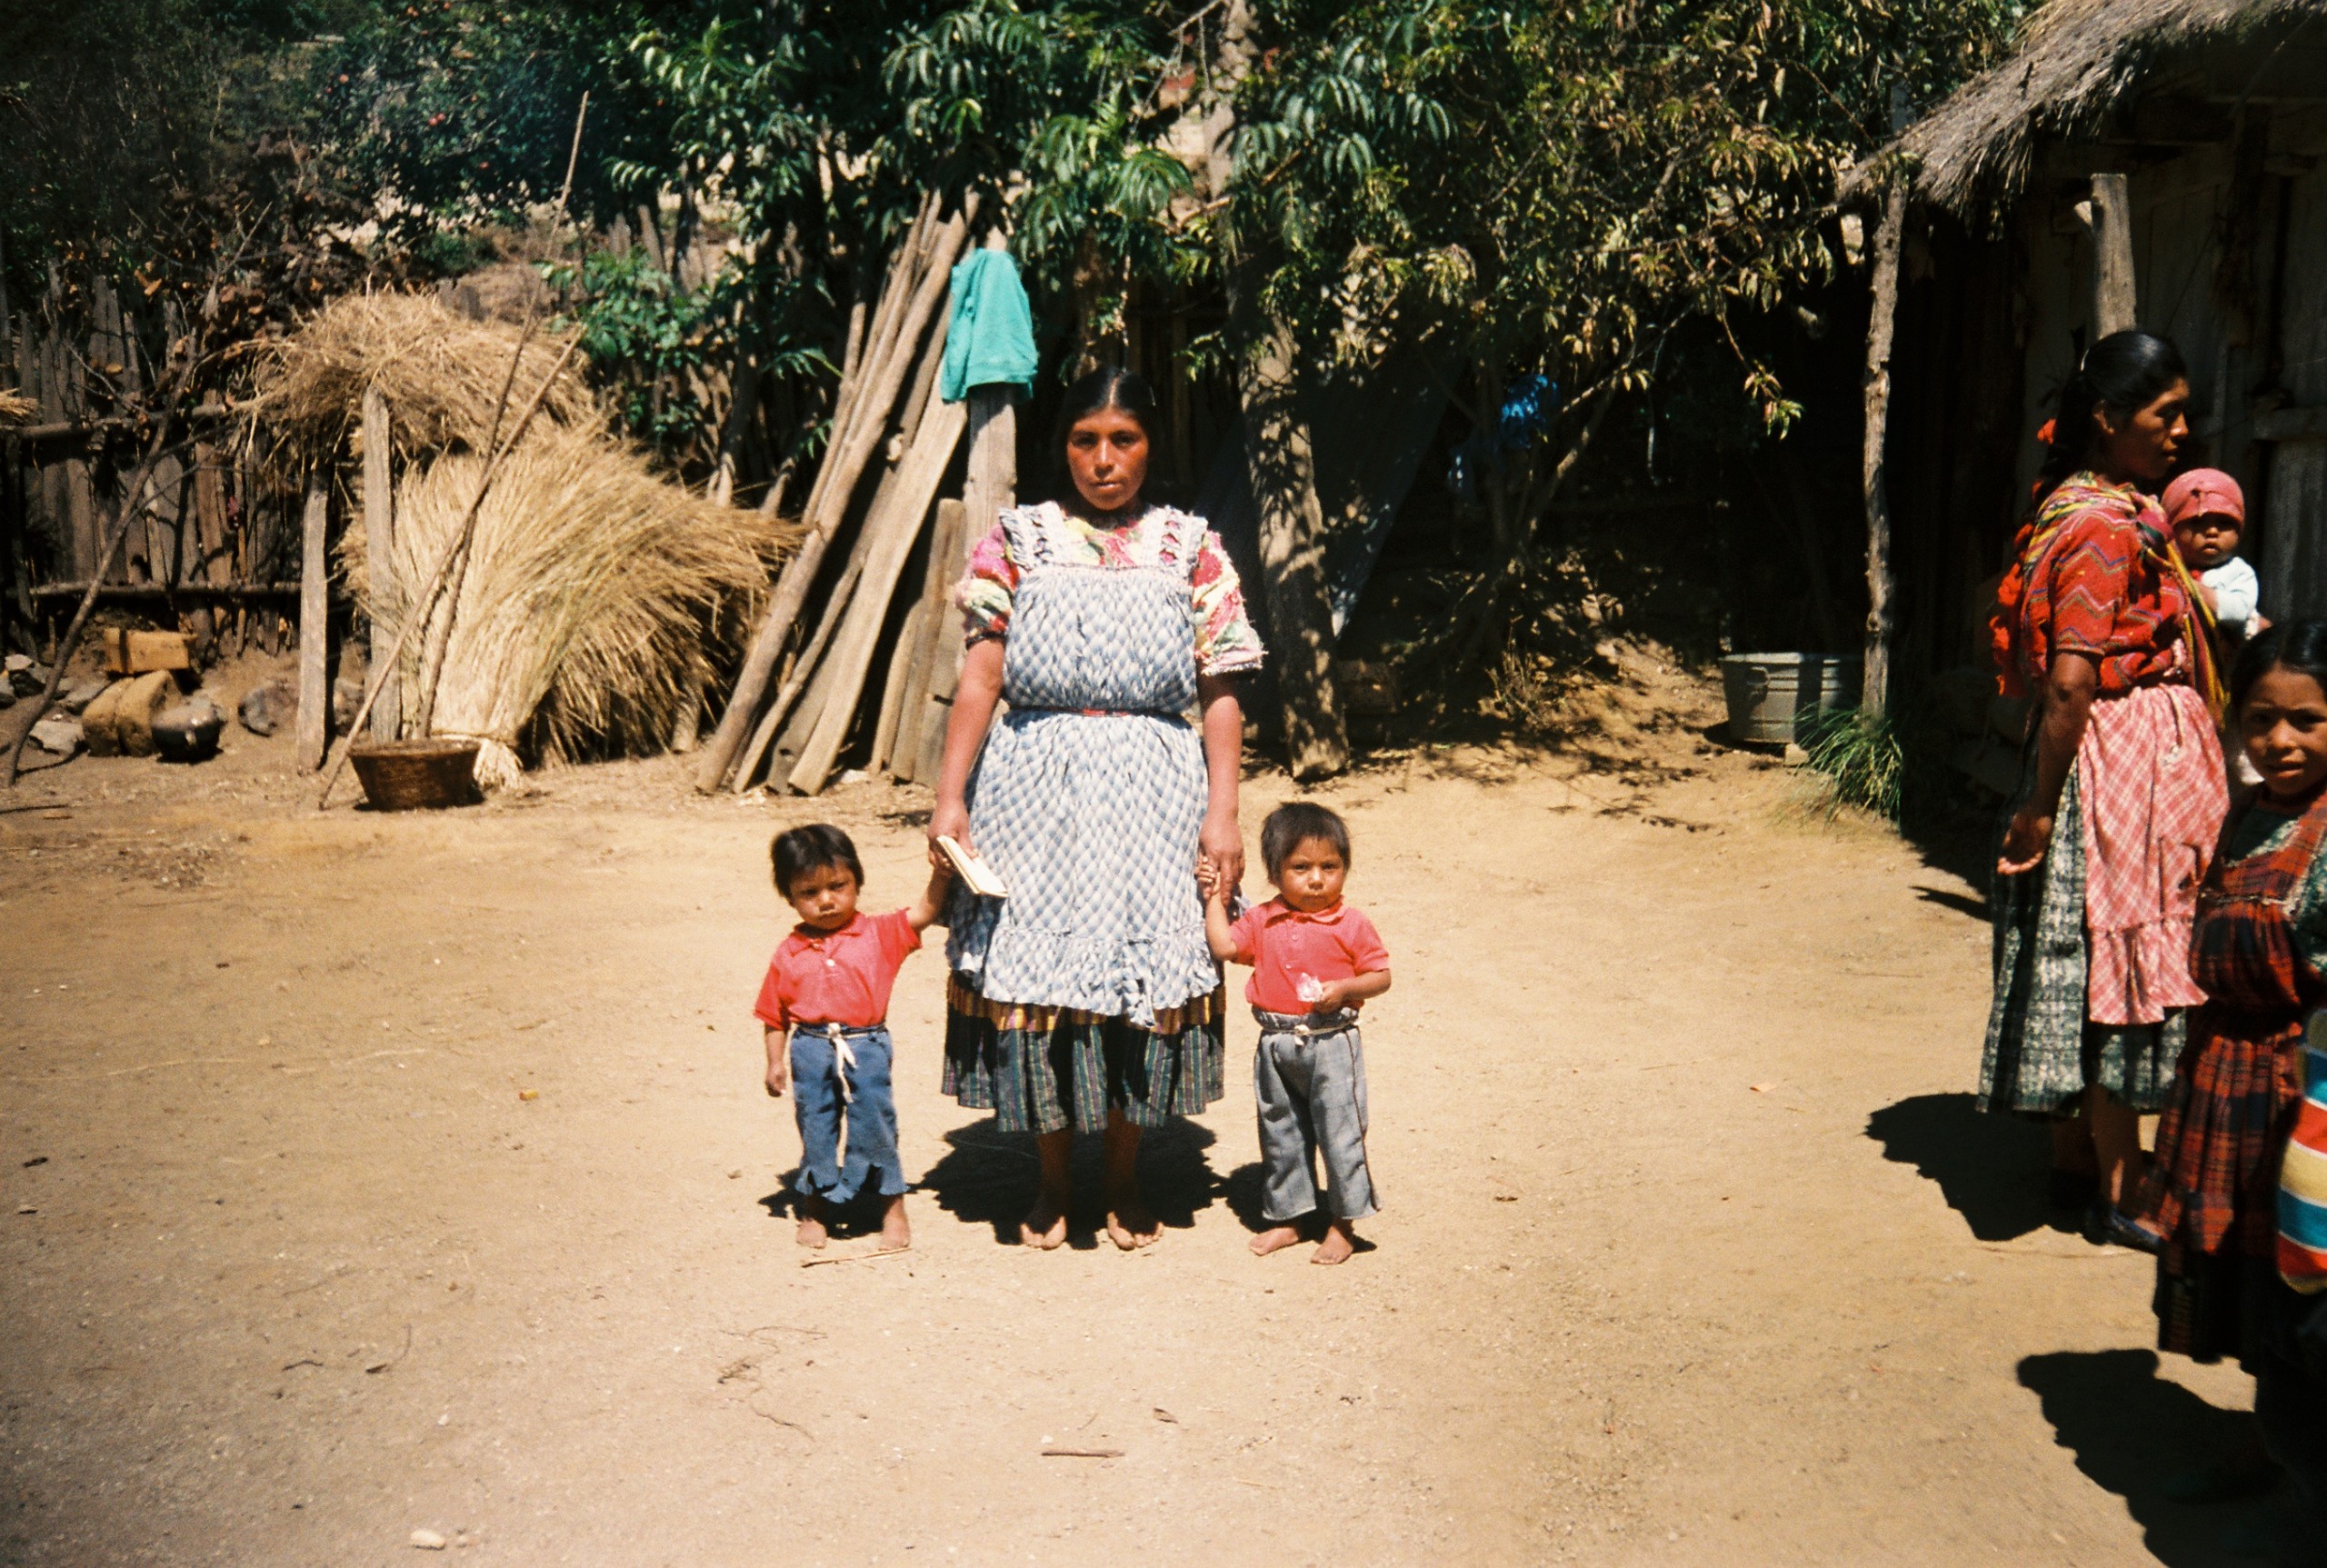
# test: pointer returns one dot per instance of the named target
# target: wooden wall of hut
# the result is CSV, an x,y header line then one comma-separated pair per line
x,y
218,551
1955,438
2230,234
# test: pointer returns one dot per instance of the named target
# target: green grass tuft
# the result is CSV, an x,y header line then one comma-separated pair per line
x,y
1864,758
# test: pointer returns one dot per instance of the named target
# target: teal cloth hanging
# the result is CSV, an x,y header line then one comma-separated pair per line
x,y
991,337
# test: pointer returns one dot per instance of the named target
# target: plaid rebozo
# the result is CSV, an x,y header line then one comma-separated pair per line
x,y
2302,1173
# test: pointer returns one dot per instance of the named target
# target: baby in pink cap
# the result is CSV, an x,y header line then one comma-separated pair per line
x,y
2207,511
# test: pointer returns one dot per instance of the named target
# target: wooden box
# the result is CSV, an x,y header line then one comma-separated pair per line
x,y
131,653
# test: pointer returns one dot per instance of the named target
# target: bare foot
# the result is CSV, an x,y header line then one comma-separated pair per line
x,y
1337,1246
896,1236
811,1231
1131,1227
1045,1225
1274,1240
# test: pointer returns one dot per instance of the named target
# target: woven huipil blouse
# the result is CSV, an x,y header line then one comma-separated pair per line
x,y
1091,791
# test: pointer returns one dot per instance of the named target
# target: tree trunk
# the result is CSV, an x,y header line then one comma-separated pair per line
x,y
380,561
1880,615
314,614
743,402
1293,557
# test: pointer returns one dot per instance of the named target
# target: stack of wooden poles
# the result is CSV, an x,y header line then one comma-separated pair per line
x,y
797,698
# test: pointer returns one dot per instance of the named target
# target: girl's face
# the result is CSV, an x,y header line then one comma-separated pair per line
x,y
2284,722
823,897
1107,451
2143,444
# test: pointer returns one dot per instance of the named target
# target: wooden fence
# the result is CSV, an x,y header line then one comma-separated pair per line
x,y
218,548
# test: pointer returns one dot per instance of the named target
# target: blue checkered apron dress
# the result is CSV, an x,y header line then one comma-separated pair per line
x,y
1087,801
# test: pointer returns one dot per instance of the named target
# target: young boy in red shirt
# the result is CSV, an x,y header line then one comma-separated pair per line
x,y
826,1006
1316,961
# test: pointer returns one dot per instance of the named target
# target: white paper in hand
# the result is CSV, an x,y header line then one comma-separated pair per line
x,y
975,874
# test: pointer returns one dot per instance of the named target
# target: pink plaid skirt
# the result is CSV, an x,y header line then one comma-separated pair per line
x,y
2150,779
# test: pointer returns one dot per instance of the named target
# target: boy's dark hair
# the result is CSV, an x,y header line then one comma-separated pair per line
x,y
801,850
1285,827
2300,646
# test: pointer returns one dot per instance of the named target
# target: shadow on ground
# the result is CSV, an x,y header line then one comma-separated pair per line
x,y
988,1177
2130,1430
1992,1170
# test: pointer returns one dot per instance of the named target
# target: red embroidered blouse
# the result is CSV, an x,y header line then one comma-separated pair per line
x,y
2091,580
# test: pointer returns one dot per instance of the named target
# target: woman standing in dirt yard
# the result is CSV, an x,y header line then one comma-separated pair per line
x,y
1088,1000
2122,791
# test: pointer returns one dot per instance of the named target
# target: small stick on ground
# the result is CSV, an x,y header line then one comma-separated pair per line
x,y
854,1257
1082,1453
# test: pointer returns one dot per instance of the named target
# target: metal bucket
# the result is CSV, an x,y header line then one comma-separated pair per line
x,y
1773,696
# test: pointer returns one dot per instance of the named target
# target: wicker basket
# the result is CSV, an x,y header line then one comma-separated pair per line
x,y
416,775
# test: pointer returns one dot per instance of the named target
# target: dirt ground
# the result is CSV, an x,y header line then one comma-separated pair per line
x,y
362,1174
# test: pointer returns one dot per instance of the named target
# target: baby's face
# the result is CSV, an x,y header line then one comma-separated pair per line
x,y
2206,542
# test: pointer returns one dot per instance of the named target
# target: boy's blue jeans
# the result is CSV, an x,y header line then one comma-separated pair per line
x,y
866,1115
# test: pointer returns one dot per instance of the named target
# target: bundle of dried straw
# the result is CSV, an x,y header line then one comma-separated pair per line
x,y
17,410
441,375
594,600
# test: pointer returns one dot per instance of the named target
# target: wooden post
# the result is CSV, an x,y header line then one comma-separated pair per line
x,y
861,409
893,686
918,478
1881,614
1292,558
315,611
380,561
932,643
992,489
2108,216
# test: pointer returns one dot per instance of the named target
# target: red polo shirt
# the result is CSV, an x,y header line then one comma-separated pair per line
x,y
1284,944
836,976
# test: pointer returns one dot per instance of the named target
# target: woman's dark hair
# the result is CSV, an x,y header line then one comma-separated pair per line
x,y
1109,386
802,849
1294,821
2123,372
2300,646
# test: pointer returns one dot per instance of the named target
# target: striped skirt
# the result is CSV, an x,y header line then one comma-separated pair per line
x,y
2041,1047
1055,1070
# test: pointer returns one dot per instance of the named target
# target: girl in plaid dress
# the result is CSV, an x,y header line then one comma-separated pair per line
x,y
1088,999
2260,949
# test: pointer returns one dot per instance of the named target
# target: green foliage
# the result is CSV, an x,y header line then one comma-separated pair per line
x,y
655,347
458,111
1864,761
132,133
1565,180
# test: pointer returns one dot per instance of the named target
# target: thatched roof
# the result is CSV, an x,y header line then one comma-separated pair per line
x,y
2079,60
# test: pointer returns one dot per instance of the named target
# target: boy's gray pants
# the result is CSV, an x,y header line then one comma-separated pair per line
x,y
1309,1087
